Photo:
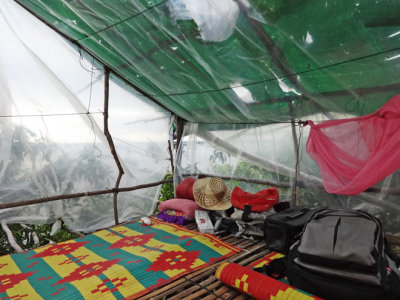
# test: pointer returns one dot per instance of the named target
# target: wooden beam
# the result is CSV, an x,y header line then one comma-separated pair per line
x,y
312,181
249,180
80,195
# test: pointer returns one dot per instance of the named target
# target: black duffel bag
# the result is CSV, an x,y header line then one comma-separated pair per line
x,y
281,229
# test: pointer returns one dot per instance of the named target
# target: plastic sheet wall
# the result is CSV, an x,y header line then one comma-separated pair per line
x,y
51,127
267,153
231,68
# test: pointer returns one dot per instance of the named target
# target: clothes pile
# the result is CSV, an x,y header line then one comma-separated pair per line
x,y
239,212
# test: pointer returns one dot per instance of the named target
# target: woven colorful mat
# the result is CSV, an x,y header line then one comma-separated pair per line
x,y
266,259
122,262
282,289
257,285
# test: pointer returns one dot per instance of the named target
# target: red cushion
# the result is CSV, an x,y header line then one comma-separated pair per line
x,y
259,202
185,189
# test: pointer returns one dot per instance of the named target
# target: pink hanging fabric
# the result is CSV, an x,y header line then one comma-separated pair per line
x,y
354,154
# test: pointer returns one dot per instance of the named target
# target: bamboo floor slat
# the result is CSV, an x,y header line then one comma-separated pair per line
x,y
202,284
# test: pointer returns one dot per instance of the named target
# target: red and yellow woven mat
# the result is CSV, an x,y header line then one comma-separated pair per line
x,y
258,285
123,262
266,259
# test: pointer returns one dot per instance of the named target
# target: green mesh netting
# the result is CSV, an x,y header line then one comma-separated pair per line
x,y
315,56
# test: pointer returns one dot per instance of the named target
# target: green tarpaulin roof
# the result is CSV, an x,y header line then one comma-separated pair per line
x,y
242,61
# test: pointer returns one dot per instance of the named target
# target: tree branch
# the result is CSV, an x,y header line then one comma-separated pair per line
x,y
11,239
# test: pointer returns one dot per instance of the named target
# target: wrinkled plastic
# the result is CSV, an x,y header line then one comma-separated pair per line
x,y
51,125
321,56
215,19
256,157
281,61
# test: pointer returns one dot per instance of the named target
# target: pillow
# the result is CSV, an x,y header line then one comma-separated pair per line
x,y
184,205
184,189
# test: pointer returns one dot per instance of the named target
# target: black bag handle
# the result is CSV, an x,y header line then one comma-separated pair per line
x,y
296,214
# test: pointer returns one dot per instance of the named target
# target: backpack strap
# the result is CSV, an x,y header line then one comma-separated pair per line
x,y
389,252
246,212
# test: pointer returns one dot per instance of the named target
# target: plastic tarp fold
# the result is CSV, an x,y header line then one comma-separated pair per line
x,y
51,128
354,154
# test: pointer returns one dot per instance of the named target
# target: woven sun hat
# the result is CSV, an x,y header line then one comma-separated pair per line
x,y
212,193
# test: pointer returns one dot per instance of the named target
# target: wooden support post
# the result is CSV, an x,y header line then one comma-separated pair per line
x,y
110,142
171,156
179,131
296,190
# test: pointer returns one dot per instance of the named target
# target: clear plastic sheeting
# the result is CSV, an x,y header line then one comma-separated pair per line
x,y
255,157
229,68
253,152
51,126
243,61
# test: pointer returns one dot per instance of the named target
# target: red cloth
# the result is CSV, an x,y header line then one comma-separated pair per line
x,y
354,154
259,202
185,189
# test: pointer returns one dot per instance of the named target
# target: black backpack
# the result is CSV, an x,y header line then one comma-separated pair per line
x,y
342,254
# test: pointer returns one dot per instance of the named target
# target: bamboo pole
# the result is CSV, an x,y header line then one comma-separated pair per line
x,y
295,192
313,181
79,195
300,184
171,157
249,180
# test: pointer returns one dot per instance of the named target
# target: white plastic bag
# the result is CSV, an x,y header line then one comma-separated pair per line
x,y
216,19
